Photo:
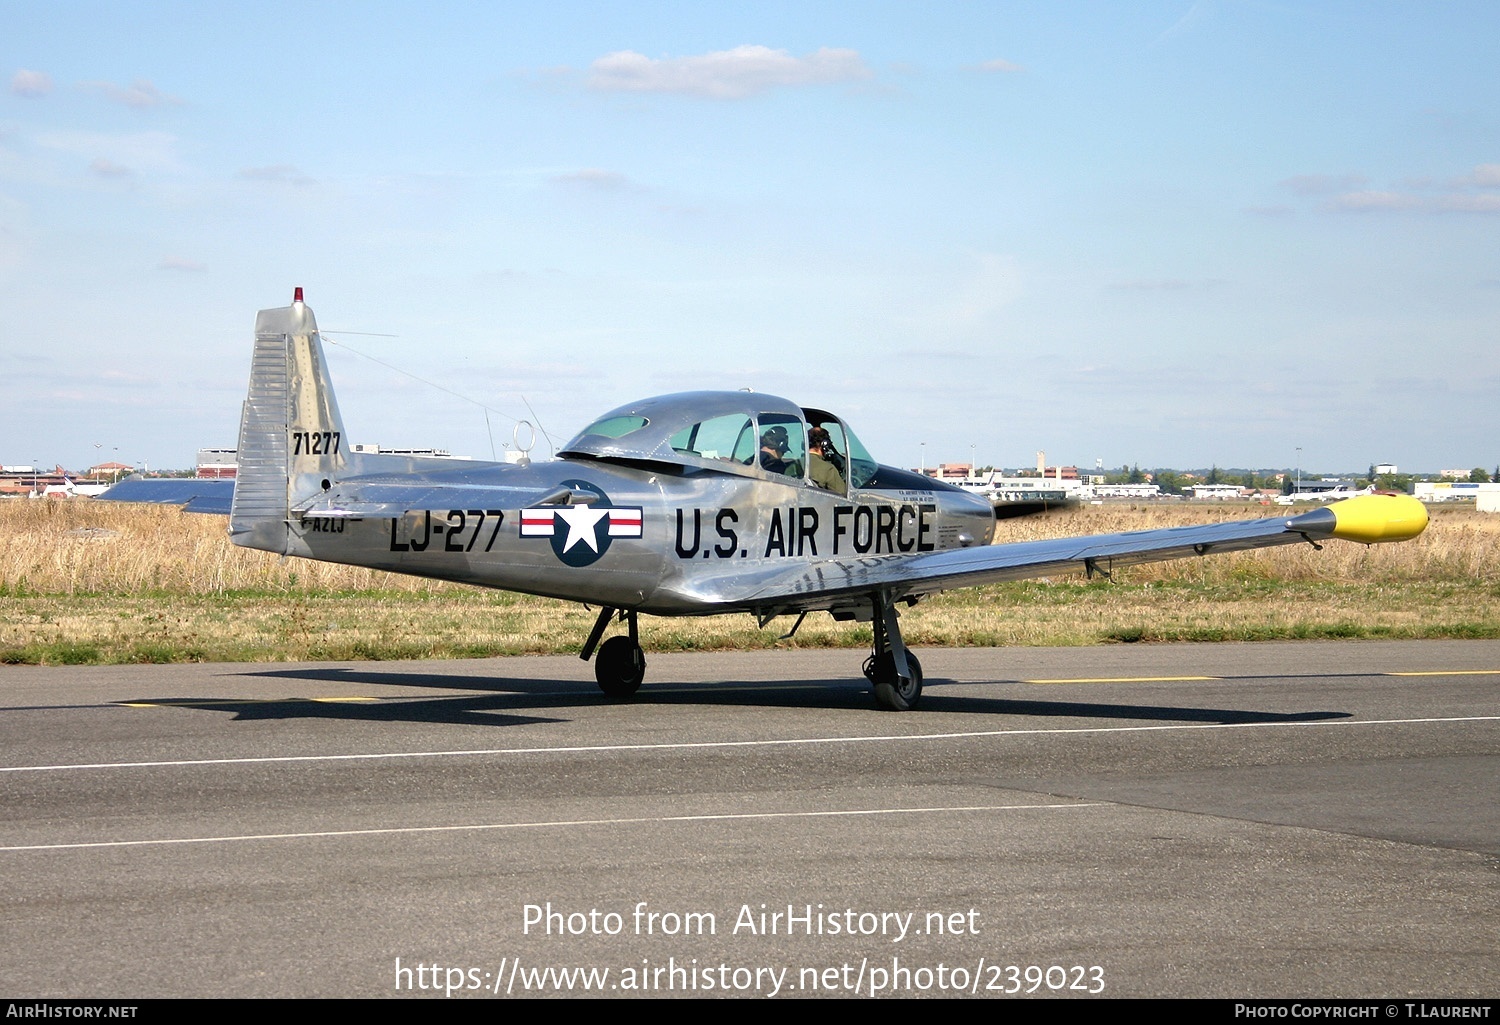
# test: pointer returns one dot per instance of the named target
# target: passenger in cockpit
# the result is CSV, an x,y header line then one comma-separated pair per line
x,y
820,466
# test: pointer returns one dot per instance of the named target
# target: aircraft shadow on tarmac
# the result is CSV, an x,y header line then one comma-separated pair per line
x,y
507,701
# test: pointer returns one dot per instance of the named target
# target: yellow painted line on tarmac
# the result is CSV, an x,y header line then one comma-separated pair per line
x,y
1188,679
227,702
1450,672
1130,679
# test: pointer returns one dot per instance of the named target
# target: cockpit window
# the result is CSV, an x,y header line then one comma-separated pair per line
x,y
827,455
861,466
783,444
729,439
844,450
617,426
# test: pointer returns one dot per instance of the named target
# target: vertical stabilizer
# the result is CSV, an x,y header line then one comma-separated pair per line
x,y
291,435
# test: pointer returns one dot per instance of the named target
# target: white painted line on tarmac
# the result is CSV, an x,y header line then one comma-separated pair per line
x,y
1448,672
724,744
563,823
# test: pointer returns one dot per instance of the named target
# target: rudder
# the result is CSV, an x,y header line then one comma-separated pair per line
x,y
291,435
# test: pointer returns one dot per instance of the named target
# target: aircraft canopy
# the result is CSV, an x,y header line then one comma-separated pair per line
x,y
736,432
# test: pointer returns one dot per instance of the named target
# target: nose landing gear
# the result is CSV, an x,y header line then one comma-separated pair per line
x,y
895,672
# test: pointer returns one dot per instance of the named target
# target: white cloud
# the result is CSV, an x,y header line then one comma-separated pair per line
x,y
724,74
12,214
140,151
1371,199
109,169
593,177
140,94
281,174
1348,193
1323,184
999,64
31,83
919,355
1485,176
1481,204
177,263
1159,285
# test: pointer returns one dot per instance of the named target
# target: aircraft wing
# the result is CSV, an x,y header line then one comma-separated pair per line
x,y
1369,519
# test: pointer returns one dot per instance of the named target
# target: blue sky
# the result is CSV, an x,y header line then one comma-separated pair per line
x,y
1172,234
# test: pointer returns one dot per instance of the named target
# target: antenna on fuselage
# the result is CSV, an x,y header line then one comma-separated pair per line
x,y
525,450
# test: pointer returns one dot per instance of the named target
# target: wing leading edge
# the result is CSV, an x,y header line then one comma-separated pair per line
x,y
1369,519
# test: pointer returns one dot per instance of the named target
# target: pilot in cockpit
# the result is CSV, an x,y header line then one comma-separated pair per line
x,y
773,449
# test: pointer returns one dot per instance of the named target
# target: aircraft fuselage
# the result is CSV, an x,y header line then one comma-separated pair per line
x,y
664,541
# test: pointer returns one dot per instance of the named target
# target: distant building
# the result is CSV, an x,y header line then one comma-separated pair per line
x,y
30,480
1215,492
430,453
1325,487
1127,490
110,471
215,463
1452,490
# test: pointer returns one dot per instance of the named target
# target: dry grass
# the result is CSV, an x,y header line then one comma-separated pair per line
x,y
82,547
100,582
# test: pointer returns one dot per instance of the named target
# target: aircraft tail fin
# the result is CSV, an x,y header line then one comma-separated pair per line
x,y
291,435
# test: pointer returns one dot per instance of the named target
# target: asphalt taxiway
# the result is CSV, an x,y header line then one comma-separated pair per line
x,y
1266,820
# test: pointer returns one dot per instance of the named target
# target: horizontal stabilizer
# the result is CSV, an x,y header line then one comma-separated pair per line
x,y
193,495
356,497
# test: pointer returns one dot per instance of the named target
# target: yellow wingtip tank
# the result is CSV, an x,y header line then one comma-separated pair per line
x,y
1370,519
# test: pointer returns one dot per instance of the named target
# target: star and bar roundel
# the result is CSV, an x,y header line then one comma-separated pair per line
x,y
581,534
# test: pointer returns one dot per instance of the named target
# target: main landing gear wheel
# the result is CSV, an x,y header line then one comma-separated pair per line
x,y
620,666
891,691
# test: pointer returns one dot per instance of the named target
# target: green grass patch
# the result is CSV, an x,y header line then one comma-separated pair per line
x,y
456,623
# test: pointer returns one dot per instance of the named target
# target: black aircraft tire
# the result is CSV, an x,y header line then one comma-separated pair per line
x,y
619,666
893,693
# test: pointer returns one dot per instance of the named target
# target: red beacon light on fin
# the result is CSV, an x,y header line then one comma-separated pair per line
x,y
297,294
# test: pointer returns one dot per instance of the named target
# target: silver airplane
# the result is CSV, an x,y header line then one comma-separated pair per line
x,y
684,505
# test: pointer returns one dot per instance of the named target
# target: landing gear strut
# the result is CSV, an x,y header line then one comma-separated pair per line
x,y
621,664
895,672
